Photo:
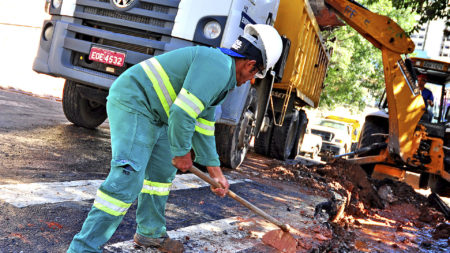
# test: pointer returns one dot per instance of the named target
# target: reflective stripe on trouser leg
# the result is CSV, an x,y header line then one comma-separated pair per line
x,y
132,140
107,211
150,214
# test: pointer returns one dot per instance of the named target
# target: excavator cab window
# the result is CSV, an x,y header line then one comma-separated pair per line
x,y
438,82
447,114
447,103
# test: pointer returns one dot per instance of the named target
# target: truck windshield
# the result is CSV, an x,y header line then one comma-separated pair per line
x,y
333,124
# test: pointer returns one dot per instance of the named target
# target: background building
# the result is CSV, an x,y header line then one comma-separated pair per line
x,y
431,42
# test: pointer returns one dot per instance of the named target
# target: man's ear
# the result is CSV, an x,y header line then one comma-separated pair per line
x,y
251,63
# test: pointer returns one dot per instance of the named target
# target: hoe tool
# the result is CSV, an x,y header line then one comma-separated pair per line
x,y
256,210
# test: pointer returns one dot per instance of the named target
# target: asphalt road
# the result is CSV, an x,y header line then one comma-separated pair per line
x,y
50,169
40,150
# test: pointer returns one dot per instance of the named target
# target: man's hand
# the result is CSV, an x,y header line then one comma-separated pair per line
x,y
183,163
217,175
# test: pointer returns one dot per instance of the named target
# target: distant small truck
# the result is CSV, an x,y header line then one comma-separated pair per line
x,y
336,137
356,128
311,145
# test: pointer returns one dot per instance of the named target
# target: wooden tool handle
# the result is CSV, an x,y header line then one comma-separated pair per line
x,y
239,199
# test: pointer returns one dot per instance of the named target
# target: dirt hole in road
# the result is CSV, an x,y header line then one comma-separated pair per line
x,y
361,213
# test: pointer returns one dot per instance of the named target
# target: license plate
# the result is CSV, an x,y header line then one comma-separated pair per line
x,y
107,56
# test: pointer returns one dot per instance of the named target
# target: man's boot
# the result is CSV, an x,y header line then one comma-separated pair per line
x,y
164,244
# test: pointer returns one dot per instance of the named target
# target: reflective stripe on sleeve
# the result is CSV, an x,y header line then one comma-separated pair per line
x,y
189,103
161,82
110,205
155,188
205,127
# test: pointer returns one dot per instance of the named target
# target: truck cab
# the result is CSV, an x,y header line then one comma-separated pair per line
x,y
336,136
355,124
91,42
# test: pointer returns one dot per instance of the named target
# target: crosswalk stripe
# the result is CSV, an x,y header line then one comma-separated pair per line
x,y
225,235
22,195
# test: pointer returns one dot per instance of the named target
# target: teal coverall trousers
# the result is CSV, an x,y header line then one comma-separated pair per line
x,y
145,172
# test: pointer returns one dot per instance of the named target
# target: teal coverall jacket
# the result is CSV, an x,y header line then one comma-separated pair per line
x,y
206,73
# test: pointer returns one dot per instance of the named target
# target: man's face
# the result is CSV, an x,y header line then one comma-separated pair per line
x,y
245,71
421,82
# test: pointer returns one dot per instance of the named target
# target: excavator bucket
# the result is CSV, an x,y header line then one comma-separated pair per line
x,y
326,18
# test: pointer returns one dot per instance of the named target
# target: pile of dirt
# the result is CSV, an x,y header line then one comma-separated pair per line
x,y
364,213
348,180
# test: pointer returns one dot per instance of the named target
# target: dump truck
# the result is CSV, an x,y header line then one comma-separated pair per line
x,y
397,140
285,121
91,42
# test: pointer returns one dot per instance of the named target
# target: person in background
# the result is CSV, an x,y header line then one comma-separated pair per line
x,y
427,96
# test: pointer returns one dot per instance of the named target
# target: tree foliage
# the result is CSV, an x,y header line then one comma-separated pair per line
x,y
427,9
355,76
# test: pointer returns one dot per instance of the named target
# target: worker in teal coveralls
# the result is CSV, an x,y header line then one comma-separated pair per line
x,y
158,111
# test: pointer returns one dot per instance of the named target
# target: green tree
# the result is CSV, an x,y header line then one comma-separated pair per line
x,y
427,10
355,76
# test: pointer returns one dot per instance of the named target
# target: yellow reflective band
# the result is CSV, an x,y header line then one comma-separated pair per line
x,y
205,127
206,122
186,108
156,87
157,184
155,188
164,77
110,205
192,98
189,103
161,82
108,210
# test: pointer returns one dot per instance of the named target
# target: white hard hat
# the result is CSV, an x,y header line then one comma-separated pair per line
x,y
266,39
259,42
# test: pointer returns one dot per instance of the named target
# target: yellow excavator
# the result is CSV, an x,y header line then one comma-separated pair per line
x,y
397,140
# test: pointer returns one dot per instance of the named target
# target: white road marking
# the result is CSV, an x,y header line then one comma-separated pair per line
x,y
223,236
22,195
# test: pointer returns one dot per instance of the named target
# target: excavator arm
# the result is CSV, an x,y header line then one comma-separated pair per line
x,y
405,105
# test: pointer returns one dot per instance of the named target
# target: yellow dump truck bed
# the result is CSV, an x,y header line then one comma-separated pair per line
x,y
308,59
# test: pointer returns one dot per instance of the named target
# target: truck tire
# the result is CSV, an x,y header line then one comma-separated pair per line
x,y
262,142
439,185
302,124
366,139
81,111
281,147
233,141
